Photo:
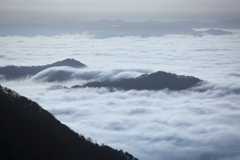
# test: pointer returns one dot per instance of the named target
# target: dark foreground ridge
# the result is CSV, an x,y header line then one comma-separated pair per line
x,y
29,132
14,72
155,81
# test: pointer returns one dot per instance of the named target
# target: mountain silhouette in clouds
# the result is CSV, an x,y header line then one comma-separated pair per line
x,y
155,81
27,131
14,72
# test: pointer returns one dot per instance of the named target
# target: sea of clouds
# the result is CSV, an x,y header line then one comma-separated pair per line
x,y
198,123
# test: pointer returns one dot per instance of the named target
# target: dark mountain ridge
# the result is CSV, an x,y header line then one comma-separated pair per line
x,y
14,72
29,132
155,81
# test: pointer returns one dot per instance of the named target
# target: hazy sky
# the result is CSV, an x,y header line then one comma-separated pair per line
x,y
55,10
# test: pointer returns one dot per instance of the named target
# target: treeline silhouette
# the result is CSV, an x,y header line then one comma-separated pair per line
x,y
155,81
13,72
28,132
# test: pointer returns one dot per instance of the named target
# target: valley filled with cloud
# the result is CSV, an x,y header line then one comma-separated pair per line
x,y
201,122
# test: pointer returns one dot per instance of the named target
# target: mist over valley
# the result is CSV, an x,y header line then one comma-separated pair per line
x,y
158,90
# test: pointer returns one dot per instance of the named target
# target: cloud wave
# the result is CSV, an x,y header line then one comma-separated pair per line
x,y
68,73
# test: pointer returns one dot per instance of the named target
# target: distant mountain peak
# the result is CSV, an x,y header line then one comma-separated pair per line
x,y
68,62
14,72
154,81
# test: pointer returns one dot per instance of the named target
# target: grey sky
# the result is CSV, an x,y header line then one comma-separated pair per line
x,y
55,10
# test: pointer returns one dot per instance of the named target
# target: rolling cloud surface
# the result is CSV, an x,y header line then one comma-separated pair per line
x,y
198,123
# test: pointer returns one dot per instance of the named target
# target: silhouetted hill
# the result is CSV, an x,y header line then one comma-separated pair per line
x,y
155,81
29,132
13,72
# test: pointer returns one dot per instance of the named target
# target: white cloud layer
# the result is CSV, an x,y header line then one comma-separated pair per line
x,y
199,123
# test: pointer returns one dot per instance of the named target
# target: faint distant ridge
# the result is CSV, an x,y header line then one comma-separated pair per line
x,y
155,81
227,24
28,132
14,72
105,28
